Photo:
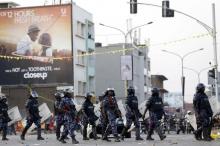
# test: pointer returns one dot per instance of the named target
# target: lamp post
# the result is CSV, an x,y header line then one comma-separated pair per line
x,y
198,72
182,73
125,34
212,33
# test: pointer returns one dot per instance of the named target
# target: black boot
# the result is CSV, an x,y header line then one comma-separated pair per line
x,y
39,137
23,133
198,133
138,137
62,139
206,135
4,135
160,133
150,132
117,139
95,137
85,133
58,132
74,141
125,129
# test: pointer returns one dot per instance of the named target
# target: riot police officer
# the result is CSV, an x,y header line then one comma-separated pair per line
x,y
112,111
4,117
89,117
103,118
59,115
132,113
156,111
32,115
70,116
203,112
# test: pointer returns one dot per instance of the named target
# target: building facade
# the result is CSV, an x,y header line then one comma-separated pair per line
x,y
83,66
108,70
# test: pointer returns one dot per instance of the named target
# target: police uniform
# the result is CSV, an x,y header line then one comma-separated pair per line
x,y
132,113
156,111
59,115
89,117
70,118
203,112
33,115
112,111
4,117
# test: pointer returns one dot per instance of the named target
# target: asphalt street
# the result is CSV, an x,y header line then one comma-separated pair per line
x,y
50,140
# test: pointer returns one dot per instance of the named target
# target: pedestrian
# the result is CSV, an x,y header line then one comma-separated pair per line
x,y
89,117
33,115
203,113
70,117
132,113
112,111
4,117
156,112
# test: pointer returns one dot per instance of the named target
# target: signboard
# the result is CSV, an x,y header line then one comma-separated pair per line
x,y
36,45
126,67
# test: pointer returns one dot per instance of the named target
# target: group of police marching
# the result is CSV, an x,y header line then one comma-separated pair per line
x,y
67,116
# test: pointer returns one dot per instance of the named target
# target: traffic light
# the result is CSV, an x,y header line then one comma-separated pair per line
x,y
211,73
166,11
133,7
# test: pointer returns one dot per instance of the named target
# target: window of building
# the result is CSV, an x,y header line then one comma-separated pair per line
x,y
81,88
81,57
91,31
80,29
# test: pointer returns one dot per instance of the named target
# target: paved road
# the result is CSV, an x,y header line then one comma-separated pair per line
x,y
171,140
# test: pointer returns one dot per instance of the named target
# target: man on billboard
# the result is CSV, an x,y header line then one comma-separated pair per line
x,y
25,45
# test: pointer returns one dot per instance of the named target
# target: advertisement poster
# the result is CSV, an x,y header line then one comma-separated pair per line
x,y
126,68
36,45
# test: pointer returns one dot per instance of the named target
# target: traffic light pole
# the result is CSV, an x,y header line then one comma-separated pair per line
x,y
212,33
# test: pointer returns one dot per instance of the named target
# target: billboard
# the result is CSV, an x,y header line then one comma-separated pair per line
x,y
36,45
126,67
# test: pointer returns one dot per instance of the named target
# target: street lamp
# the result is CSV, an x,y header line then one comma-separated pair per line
x,y
198,72
182,59
125,34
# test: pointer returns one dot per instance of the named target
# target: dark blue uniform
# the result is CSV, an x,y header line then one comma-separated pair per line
x,y
32,117
203,112
59,117
89,117
4,117
70,119
156,111
132,115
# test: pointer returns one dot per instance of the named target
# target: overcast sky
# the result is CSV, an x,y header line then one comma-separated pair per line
x,y
163,30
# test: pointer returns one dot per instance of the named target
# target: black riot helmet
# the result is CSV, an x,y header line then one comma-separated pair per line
x,y
200,88
68,93
155,92
34,94
89,95
58,95
110,92
3,98
131,90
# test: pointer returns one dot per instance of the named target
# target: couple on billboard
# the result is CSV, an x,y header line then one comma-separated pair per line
x,y
27,45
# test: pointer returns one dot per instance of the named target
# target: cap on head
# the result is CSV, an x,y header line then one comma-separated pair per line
x,y
33,28
59,94
131,90
88,95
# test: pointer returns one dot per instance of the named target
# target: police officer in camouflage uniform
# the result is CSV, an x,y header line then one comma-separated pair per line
x,y
32,115
59,114
103,118
70,116
203,112
156,111
132,113
112,111
89,117
4,117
